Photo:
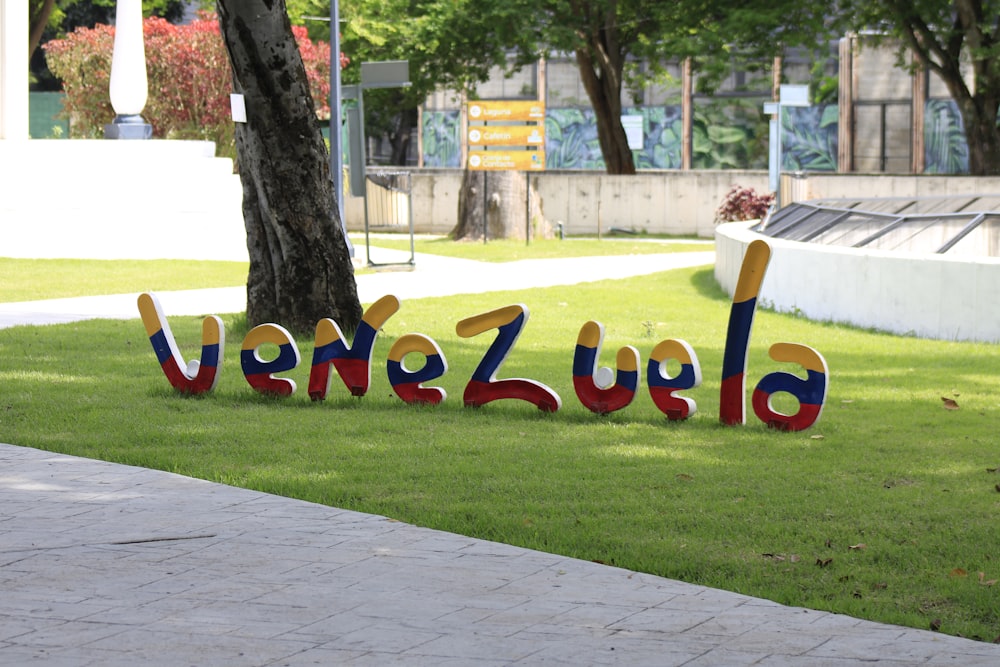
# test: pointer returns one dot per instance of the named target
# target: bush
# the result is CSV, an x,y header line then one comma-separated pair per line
x,y
742,203
188,73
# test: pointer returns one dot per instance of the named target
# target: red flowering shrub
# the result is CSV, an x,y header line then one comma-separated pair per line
x,y
187,69
83,61
743,204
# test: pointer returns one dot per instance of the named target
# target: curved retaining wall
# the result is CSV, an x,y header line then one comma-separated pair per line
x,y
929,296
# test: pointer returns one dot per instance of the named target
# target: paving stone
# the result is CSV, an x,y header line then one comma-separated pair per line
x,y
219,575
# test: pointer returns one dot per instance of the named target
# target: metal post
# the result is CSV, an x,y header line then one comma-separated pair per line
x,y
336,120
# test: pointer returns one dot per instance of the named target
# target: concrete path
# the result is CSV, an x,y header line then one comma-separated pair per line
x,y
432,276
104,564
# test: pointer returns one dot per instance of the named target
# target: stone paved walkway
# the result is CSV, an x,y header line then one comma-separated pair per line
x,y
105,565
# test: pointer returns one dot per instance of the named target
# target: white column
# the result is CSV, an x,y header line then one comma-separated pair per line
x,y
128,87
14,69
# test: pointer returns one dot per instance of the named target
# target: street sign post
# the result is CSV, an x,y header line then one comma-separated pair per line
x,y
788,96
513,135
490,110
515,126
507,160
517,129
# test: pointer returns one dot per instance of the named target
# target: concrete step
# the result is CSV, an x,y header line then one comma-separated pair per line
x,y
120,200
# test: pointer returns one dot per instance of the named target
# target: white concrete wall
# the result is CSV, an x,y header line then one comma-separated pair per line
x,y
930,296
814,185
119,200
660,202
657,202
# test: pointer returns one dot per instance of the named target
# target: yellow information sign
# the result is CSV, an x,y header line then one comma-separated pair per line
x,y
507,160
507,135
492,110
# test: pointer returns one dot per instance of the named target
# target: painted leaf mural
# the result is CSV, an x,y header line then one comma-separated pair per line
x,y
945,147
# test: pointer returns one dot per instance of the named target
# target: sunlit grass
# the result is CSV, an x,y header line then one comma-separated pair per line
x,y
502,250
32,279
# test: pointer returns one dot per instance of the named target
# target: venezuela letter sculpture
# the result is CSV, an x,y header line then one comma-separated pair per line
x,y
599,389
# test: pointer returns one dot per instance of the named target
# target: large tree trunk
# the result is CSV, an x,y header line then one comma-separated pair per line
x,y
601,73
300,267
505,204
979,115
399,138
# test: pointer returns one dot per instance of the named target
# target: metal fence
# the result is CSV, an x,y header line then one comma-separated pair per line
x,y
388,208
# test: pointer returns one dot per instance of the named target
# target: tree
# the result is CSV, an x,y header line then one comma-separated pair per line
x,y
51,19
300,268
189,79
608,37
450,44
959,41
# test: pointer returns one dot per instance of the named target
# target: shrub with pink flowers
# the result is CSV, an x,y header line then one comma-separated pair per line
x,y
188,74
742,203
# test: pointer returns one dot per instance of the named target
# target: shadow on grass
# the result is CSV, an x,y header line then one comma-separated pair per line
x,y
705,284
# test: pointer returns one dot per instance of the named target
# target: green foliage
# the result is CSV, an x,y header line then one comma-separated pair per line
x,y
809,138
448,44
571,140
958,41
662,146
188,74
83,61
456,44
729,135
65,16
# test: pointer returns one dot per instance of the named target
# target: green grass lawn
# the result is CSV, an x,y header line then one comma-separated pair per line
x,y
510,250
885,510
31,279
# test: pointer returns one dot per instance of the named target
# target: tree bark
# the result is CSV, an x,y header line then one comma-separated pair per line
x,y
605,98
300,267
601,67
399,138
982,135
37,22
505,205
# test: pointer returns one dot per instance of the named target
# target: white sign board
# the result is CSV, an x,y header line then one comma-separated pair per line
x,y
239,107
633,130
793,96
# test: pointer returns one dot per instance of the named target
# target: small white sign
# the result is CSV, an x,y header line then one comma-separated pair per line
x,y
633,130
239,107
793,96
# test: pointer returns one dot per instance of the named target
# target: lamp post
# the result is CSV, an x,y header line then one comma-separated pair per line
x,y
336,147
128,88
336,116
